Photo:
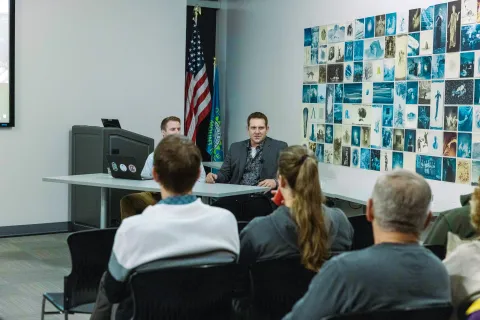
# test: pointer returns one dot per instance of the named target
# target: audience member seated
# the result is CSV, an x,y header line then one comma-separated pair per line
x,y
456,221
463,264
251,162
180,225
396,272
303,225
137,202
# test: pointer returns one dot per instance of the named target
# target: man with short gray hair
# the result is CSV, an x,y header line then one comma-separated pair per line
x,y
396,272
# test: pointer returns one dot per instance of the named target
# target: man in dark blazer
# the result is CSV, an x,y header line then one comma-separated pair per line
x,y
251,162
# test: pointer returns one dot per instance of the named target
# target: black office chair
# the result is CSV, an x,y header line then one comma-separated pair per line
x,y
277,285
438,250
439,312
89,251
362,232
192,292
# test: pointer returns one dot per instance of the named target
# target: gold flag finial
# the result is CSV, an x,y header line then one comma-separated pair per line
x,y
197,11
214,61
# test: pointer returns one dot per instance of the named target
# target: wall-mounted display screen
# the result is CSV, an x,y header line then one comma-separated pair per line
x,y
7,49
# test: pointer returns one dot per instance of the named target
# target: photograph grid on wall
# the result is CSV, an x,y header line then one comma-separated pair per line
x,y
397,90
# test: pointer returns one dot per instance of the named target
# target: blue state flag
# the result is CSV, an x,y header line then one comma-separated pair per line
x,y
214,146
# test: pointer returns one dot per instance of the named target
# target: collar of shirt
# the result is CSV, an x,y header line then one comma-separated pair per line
x,y
259,147
179,200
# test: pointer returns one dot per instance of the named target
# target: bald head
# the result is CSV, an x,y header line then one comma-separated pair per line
x,y
401,202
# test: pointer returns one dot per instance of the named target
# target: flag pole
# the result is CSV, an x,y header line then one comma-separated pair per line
x,y
197,11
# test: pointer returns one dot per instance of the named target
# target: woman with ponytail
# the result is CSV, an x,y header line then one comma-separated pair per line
x,y
303,225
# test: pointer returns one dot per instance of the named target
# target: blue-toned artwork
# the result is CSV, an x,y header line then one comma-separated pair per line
x,y
449,169
477,92
440,28
329,103
374,49
355,157
412,92
475,172
359,29
348,51
476,148
365,159
356,136
387,116
322,92
387,138
398,115
427,18
337,114
389,70
465,118
358,50
336,33
423,117
405,91
339,93
438,66
383,92
357,71
391,28
348,72
470,37
413,44
375,160
397,160
464,149
307,39
310,94
353,93
410,138
419,68
319,152
369,27
429,167
467,62
328,133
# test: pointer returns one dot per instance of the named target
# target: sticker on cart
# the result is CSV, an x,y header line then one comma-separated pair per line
x,y
114,166
123,167
132,168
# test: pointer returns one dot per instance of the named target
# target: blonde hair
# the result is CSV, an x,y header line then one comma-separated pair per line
x,y
299,167
475,209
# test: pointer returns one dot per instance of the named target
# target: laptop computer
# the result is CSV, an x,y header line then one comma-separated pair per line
x,y
111,123
123,167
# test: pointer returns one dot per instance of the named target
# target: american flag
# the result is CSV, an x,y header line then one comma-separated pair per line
x,y
198,101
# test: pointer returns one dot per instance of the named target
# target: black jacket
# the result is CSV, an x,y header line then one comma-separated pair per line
x,y
234,163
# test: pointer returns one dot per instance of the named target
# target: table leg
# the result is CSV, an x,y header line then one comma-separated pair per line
x,y
103,208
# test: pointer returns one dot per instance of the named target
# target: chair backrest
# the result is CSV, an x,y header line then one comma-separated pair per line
x,y
362,232
90,252
438,250
437,312
192,292
277,285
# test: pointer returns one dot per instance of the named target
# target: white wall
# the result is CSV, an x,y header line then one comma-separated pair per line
x,y
78,61
265,65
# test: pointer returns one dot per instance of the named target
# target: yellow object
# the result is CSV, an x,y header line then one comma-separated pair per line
x,y
473,307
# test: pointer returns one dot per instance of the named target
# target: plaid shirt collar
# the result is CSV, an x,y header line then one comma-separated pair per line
x,y
259,147
179,200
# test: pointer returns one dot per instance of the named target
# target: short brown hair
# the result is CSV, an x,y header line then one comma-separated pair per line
x,y
177,161
257,115
163,125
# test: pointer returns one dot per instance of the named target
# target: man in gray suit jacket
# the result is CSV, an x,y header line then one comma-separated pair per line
x,y
251,162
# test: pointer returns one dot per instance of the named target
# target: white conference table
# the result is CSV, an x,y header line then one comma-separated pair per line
x,y
213,165
105,181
